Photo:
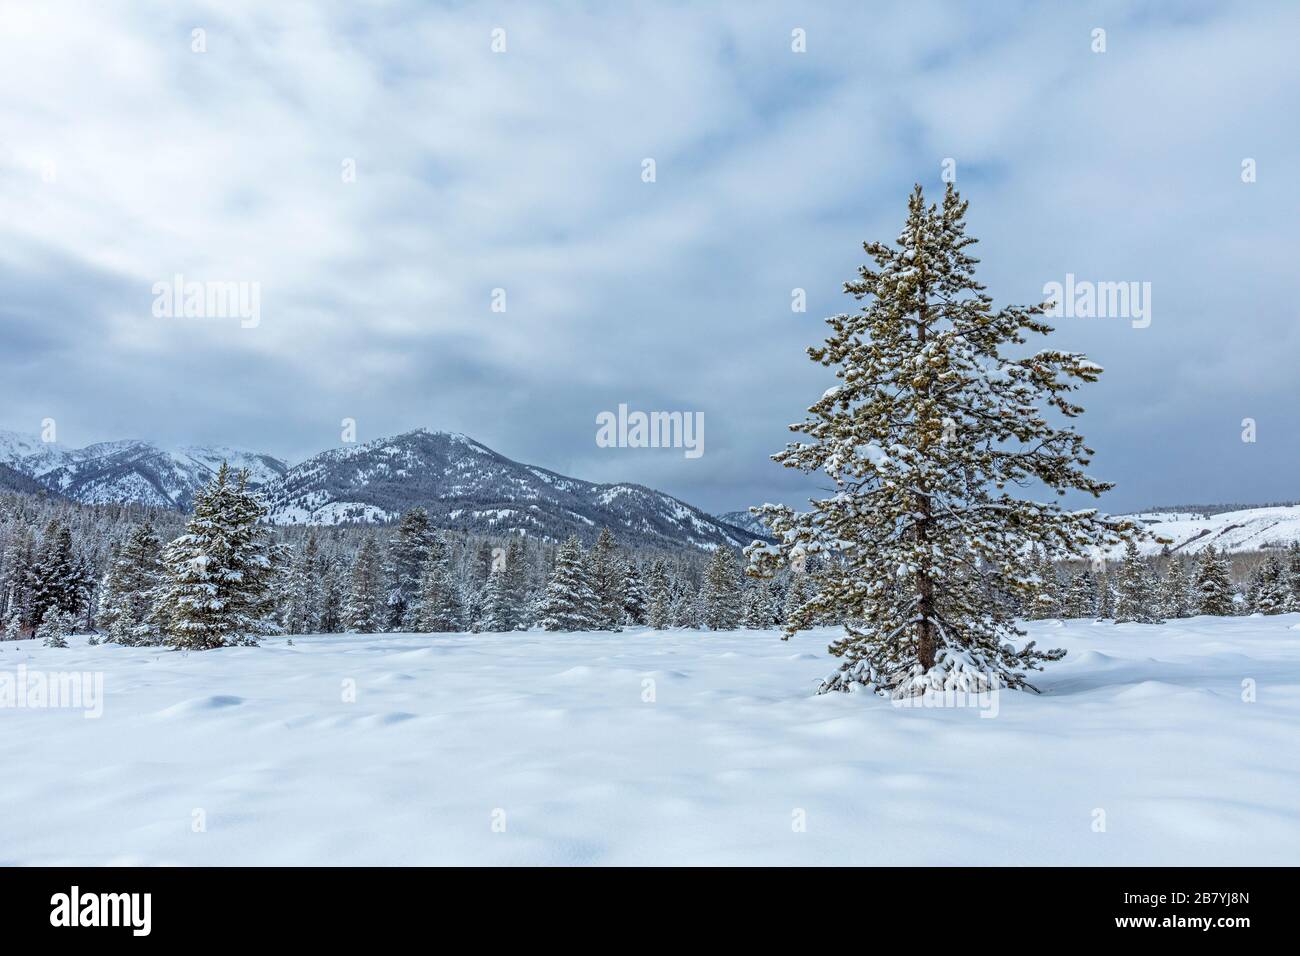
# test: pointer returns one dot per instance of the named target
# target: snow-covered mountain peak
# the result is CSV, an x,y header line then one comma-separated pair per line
x,y
466,485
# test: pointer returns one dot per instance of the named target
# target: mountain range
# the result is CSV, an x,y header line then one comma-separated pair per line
x,y
127,471
467,486
462,483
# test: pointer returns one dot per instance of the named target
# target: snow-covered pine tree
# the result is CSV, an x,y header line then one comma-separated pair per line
x,y
1293,576
366,608
1045,598
497,613
570,603
518,610
930,424
1105,596
57,574
407,553
13,625
477,570
1175,602
333,599
84,587
757,605
130,589
606,574
55,627
1267,590
441,608
301,597
1080,597
799,596
1135,596
660,613
217,587
1212,587
123,629
701,607
634,599
720,592
16,579
686,605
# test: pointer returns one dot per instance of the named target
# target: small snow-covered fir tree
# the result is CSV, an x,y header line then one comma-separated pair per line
x,y
1135,597
123,629
441,608
130,589
634,598
1175,601
606,575
217,588
1293,576
799,596
1105,596
1212,591
16,579
930,425
366,607
57,574
701,614
686,605
1080,597
55,627
407,553
720,593
301,592
1268,590
660,613
13,625
515,587
570,603
1045,600
757,605
333,599
497,610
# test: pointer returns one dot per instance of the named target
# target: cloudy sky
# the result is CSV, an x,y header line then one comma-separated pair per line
x,y
128,157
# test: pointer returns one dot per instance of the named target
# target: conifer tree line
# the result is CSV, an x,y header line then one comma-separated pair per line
x,y
136,576
1156,588
219,577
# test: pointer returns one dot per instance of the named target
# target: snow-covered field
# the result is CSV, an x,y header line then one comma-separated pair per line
x,y
646,747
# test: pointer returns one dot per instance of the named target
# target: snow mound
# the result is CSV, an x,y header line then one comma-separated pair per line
x,y
198,705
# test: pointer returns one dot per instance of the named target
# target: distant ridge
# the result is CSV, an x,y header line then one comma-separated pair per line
x,y
1219,509
462,483
129,471
466,485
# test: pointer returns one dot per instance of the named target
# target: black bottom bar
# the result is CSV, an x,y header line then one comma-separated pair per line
x,y
338,905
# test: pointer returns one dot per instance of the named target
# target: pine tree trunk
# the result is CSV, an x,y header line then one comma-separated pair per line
x,y
927,643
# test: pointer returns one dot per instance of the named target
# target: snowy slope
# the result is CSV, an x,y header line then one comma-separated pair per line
x,y
657,748
14,480
1251,529
28,454
466,485
747,522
